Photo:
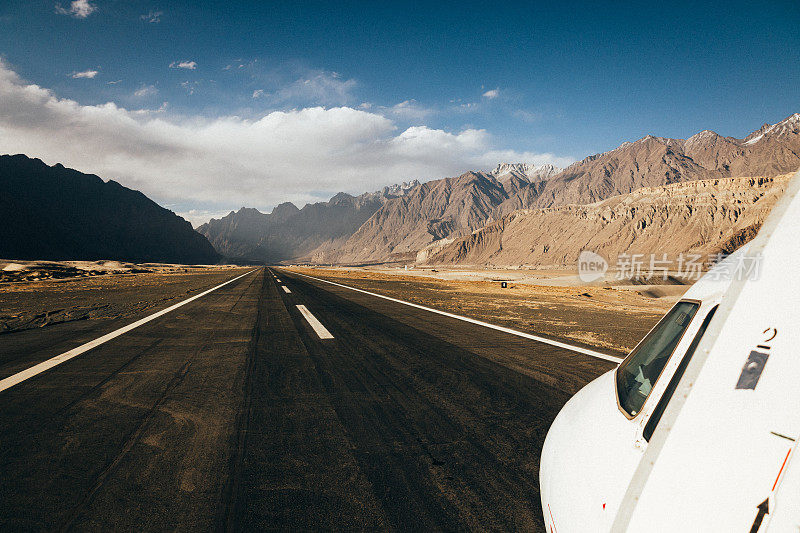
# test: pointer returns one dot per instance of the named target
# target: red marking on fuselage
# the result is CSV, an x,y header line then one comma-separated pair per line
x,y
781,470
552,520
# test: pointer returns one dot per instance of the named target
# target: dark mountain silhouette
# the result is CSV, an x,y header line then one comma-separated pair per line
x,y
57,213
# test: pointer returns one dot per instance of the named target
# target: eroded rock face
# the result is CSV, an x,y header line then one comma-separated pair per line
x,y
703,216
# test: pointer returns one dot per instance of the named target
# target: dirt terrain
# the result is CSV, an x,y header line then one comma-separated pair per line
x,y
610,318
46,293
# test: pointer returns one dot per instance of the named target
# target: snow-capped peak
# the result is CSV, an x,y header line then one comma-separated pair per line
x,y
528,171
400,189
790,124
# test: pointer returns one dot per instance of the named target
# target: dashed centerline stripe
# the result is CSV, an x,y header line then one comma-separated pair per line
x,y
19,377
319,329
504,329
279,281
286,289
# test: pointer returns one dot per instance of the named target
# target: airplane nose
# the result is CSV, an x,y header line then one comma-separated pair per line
x,y
586,455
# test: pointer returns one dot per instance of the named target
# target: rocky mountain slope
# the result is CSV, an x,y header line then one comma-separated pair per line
x,y
399,221
454,207
57,213
288,232
703,216
653,161
438,209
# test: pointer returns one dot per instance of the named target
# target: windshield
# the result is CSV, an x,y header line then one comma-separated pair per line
x,y
638,373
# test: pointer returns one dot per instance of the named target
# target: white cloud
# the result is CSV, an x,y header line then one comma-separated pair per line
x,y
229,162
409,110
79,9
198,217
318,87
258,93
492,157
189,65
153,17
89,74
144,112
145,90
492,94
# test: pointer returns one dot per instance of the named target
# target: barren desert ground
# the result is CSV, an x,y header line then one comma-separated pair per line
x,y
38,293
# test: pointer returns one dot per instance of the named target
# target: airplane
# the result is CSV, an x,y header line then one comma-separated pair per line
x,y
697,428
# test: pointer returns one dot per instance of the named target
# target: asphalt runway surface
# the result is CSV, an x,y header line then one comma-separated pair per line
x,y
237,412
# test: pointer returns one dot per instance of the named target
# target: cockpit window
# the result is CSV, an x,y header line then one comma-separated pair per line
x,y
638,373
650,427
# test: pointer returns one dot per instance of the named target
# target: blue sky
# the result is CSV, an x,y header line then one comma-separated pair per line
x,y
546,82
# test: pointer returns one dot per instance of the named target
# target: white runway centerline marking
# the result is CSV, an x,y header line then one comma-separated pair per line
x,y
544,340
319,329
66,356
286,289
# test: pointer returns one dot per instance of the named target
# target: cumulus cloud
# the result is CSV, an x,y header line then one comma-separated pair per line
x,y
80,9
492,94
228,162
189,65
153,17
89,74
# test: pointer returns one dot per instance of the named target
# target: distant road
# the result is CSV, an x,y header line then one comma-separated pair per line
x,y
293,405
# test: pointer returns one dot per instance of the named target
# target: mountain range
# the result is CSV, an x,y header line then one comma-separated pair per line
x,y
707,192
701,217
56,213
428,217
288,232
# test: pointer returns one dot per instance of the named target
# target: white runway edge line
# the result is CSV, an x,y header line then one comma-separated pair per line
x,y
66,356
286,289
319,329
544,340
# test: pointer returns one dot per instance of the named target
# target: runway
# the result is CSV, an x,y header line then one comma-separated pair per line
x,y
291,404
